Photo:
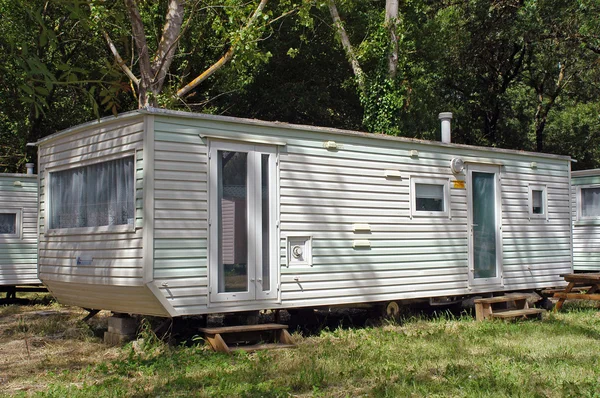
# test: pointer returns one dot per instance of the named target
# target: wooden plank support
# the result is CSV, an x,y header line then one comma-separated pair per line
x,y
577,296
217,343
484,307
549,292
217,337
561,300
517,313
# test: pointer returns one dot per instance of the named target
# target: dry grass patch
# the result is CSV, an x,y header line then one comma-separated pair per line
x,y
39,341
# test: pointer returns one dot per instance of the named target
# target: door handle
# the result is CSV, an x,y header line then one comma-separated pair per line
x,y
260,280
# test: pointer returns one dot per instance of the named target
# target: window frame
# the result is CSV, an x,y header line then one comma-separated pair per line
x,y
89,230
580,216
444,182
544,189
18,212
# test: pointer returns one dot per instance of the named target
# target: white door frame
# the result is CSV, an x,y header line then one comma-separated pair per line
x,y
254,226
498,280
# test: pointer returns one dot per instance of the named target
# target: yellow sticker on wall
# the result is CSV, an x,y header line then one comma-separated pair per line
x,y
458,184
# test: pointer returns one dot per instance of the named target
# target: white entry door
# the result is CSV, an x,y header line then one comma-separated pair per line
x,y
243,248
485,225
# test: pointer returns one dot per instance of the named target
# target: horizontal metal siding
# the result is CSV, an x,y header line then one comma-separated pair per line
x,y
586,234
535,251
18,257
180,217
323,193
117,257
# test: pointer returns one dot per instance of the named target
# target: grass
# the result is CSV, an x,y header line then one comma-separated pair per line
x,y
440,357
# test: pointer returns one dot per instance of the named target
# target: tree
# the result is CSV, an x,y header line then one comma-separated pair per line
x,y
47,64
237,29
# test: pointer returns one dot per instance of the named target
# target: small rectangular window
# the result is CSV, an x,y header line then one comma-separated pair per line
x,y
8,224
538,202
430,197
590,202
101,194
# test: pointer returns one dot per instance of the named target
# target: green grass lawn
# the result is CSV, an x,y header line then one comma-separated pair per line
x,y
444,357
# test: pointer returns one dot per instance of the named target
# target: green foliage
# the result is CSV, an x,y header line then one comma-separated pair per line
x,y
514,73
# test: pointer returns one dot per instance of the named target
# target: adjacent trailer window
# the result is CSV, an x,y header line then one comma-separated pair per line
x,y
538,201
10,223
100,194
589,202
430,197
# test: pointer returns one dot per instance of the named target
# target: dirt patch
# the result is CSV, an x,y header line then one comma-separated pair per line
x,y
41,340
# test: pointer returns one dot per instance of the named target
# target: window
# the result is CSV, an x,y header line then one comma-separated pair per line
x,y
589,199
10,223
100,194
430,197
538,202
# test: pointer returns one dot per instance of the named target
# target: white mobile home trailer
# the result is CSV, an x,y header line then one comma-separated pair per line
x,y
171,213
18,230
585,190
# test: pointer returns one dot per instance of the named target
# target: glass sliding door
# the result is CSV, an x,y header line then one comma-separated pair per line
x,y
232,169
484,219
243,239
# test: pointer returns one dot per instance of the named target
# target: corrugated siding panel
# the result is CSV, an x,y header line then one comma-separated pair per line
x,y
117,257
535,251
323,193
586,234
180,216
18,257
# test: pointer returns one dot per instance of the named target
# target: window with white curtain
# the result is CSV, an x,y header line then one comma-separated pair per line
x,y
10,223
589,199
100,194
430,197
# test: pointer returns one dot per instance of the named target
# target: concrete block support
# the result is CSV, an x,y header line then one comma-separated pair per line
x,y
120,330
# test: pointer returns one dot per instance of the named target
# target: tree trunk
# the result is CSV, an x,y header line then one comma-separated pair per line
x,y
343,36
391,21
542,110
152,74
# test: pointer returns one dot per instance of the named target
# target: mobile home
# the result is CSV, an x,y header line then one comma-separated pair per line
x,y
585,190
18,229
171,213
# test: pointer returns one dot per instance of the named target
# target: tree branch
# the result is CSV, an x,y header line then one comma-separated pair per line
x,y
120,60
224,59
339,27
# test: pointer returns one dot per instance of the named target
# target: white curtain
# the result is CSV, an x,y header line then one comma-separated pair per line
x,y
92,196
8,223
590,202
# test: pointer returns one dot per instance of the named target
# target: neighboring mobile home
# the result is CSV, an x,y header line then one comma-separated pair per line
x,y
170,213
585,188
18,229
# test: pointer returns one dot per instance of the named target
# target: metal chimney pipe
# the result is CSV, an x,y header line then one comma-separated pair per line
x,y
29,167
445,117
